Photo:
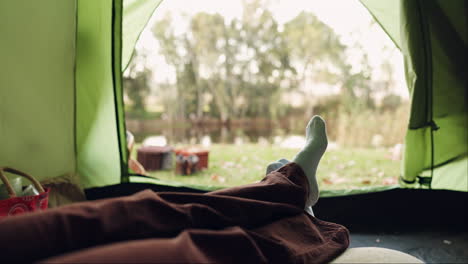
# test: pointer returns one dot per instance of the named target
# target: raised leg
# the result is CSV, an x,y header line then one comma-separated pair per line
x,y
309,157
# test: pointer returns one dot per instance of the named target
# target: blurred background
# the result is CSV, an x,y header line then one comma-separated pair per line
x,y
242,78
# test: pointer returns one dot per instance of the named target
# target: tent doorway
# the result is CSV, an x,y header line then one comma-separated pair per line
x,y
207,75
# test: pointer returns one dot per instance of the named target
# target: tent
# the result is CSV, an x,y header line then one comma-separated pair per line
x,y
61,104
61,94
61,99
433,36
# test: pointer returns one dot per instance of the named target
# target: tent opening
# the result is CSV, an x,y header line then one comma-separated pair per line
x,y
239,81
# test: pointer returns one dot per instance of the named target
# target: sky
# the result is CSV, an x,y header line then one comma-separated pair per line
x,y
348,18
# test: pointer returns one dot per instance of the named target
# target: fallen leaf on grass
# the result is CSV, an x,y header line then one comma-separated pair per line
x,y
366,181
217,178
327,181
334,179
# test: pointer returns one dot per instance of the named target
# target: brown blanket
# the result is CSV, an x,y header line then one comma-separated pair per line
x,y
257,223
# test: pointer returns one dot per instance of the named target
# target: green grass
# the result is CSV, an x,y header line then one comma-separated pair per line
x,y
232,165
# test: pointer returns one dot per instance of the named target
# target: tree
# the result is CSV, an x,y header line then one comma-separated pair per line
x,y
207,39
248,64
268,72
135,81
175,49
313,45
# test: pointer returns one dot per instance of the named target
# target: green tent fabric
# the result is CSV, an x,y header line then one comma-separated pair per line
x,y
102,154
61,98
433,37
61,103
136,14
97,135
387,14
37,51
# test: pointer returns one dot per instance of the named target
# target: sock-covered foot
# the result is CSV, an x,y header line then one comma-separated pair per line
x,y
309,157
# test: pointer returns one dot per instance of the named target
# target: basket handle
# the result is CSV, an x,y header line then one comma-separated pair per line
x,y
9,188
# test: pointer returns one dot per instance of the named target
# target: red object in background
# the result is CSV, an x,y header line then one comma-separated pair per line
x,y
186,165
152,157
19,205
200,153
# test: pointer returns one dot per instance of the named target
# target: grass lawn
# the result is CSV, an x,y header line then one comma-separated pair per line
x,y
232,165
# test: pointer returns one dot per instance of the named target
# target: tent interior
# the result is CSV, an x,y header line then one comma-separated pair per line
x,y
62,117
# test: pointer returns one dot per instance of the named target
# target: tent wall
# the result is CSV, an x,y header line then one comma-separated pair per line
x,y
37,55
433,36
59,91
61,103
136,14
102,53
387,14
100,158
435,48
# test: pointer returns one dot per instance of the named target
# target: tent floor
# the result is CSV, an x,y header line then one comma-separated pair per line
x,y
429,246
431,225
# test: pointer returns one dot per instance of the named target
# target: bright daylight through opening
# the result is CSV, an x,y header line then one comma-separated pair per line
x,y
216,90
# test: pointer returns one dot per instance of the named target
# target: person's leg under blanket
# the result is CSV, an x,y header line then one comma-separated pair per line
x,y
272,232
258,222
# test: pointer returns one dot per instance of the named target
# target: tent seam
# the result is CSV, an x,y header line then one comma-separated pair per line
x,y
428,68
115,16
75,111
